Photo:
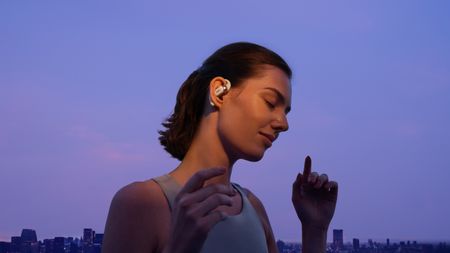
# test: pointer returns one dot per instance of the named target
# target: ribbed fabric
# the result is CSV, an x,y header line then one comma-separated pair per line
x,y
241,233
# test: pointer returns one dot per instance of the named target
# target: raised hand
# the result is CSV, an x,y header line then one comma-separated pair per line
x,y
194,212
314,198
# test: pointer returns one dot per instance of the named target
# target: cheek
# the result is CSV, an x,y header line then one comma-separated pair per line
x,y
257,113
234,123
242,121
245,115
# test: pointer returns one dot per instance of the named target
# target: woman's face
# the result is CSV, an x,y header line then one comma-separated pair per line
x,y
253,114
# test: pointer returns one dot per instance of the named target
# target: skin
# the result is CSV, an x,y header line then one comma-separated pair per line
x,y
139,218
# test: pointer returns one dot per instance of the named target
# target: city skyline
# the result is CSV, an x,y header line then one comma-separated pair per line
x,y
91,242
346,240
84,87
27,242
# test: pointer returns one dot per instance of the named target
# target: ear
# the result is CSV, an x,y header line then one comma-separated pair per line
x,y
217,84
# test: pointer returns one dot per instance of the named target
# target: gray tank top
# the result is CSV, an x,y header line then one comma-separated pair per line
x,y
241,233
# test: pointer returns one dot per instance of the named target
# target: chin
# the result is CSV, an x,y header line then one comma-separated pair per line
x,y
249,153
253,157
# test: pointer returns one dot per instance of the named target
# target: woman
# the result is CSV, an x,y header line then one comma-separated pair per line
x,y
233,107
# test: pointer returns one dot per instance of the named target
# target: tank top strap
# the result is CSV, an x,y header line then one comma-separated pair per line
x,y
241,233
169,187
241,190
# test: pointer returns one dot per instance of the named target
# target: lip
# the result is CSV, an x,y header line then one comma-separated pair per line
x,y
269,137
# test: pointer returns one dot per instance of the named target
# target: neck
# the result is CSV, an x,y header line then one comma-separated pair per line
x,y
206,152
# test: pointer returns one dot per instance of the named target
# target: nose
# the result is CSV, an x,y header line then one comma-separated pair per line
x,y
280,124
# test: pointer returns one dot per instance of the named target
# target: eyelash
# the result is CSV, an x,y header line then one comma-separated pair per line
x,y
270,104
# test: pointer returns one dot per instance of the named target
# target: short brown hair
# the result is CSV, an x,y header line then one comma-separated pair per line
x,y
235,62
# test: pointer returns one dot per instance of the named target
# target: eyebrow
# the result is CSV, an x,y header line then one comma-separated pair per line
x,y
280,96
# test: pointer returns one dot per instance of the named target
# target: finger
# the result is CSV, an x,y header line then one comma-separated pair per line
x,y
331,186
199,178
205,192
212,202
312,179
321,180
208,221
307,168
298,181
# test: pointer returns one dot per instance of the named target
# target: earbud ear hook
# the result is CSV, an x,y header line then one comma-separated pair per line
x,y
221,90
227,84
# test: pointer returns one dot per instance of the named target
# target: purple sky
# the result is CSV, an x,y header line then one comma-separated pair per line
x,y
84,86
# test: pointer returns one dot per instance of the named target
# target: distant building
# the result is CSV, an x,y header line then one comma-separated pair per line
x,y
48,245
427,248
28,235
88,236
5,247
355,243
338,238
29,243
98,239
16,242
58,245
387,242
370,243
88,240
73,248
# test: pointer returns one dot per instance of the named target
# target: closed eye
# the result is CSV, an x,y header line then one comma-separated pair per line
x,y
272,106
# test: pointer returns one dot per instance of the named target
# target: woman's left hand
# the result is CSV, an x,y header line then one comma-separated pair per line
x,y
314,198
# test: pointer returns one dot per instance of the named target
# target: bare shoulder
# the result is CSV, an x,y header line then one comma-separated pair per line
x,y
136,220
141,200
140,194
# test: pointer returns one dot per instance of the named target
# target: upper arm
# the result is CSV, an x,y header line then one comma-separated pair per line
x,y
132,224
259,207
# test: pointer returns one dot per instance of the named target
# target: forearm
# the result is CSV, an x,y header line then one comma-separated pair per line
x,y
314,240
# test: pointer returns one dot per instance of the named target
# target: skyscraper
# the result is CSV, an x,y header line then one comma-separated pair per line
x,y
29,241
88,236
28,235
338,238
370,243
88,239
355,243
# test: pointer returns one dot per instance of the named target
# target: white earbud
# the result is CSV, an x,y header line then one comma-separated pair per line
x,y
221,90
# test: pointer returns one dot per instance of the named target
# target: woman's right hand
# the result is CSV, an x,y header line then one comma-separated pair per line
x,y
194,213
